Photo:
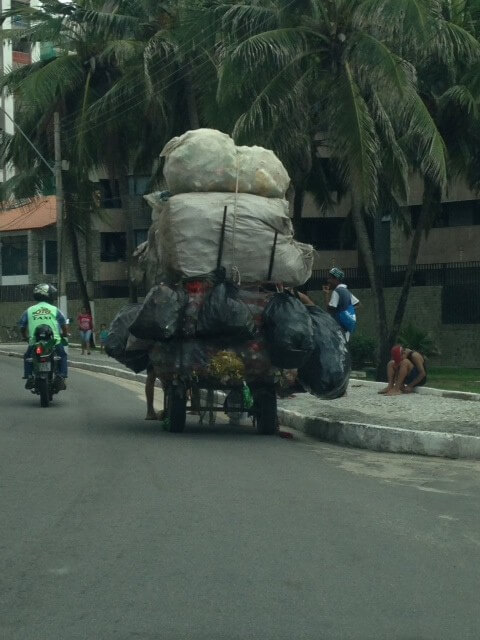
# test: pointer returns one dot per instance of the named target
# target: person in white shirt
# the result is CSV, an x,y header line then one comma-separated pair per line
x,y
341,303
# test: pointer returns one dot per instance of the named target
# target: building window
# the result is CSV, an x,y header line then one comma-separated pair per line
x,y
464,213
14,255
113,247
110,195
50,257
141,235
329,234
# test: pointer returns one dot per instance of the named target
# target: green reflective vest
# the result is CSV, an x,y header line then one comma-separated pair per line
x,y
43,313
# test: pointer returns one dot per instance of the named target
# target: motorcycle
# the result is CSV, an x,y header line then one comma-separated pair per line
x,y
45,365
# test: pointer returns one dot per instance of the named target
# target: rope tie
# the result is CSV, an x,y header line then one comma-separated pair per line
x,y
236,277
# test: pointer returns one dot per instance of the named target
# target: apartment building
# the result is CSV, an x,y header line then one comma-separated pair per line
x,y
454,237
28,243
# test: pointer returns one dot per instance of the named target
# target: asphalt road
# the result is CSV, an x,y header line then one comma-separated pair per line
x,y
111,529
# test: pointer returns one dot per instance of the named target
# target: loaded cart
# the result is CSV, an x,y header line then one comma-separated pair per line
x,y
209,371
220,325
181,395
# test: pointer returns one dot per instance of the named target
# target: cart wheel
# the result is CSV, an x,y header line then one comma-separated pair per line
x,y
266,411
176,408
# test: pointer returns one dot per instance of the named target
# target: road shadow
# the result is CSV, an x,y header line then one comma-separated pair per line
x,y
193,430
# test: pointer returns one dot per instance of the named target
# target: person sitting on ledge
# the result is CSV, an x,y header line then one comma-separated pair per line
x,y
405,371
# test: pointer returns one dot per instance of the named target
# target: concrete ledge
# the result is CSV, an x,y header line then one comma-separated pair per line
x,y
382,438
428,391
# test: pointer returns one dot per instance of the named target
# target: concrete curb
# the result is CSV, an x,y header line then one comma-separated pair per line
x,y
354,434
381,438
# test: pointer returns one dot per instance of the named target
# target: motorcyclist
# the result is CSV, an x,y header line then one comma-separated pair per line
x,y
45,313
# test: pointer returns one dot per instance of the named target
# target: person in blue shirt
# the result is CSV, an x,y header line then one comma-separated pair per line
x,y
44,313
341,303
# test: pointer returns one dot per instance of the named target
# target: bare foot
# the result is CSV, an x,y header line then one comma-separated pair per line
x,y
386,390
151,416
393,392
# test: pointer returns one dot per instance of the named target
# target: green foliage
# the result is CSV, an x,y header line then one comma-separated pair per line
x,y
362,350
419,340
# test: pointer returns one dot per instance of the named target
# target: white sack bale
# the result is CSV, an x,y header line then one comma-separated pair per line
x,y
194,223
157,259
208,160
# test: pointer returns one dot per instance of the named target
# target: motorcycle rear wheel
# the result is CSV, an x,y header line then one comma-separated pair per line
x,y
42,385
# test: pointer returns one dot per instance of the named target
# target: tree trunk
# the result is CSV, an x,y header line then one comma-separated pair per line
x,y
130,234
89,256
192,108
298,200
77,266
366,251
432,197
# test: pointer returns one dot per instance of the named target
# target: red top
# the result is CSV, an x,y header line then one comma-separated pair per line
x,y
85,322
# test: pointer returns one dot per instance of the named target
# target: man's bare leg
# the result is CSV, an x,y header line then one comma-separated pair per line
x,y
149,393
390,377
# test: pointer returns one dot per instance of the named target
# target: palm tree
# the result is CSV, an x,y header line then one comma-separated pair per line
x,y
115,79
350,70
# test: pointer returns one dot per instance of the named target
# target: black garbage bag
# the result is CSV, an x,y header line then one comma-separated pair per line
x,y
137,361
224,314
161,315
326,373
118,332
119,336
184,357
136,355
288,331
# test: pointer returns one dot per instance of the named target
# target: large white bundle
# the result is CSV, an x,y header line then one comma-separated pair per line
x,y
191,231
209,160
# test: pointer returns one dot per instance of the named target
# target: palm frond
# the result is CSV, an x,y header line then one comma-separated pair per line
x,y
52,81
460,99
353,139
428,145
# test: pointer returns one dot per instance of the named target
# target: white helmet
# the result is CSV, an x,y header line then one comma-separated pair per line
x,y
43,291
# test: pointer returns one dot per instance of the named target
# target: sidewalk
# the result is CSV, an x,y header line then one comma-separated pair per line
x,y
432,422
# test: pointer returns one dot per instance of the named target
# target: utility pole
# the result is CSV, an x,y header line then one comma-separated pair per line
x,y
62,289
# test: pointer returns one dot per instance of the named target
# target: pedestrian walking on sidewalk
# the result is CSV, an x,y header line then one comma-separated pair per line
x,y
341,303
85,328
102,337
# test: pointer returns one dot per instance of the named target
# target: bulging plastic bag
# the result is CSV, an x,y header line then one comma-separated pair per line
x,y
224,314
137,361
118,333
185,357
133,356
161,314
288,331
209,160
326,373
191,232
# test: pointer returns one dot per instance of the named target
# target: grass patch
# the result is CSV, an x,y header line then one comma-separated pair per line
x,y
454,379
448,378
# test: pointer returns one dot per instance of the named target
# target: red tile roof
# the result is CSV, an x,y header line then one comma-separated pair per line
x,y
37,214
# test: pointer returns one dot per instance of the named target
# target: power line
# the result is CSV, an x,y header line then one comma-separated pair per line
x,y
105,121
39,154
159,64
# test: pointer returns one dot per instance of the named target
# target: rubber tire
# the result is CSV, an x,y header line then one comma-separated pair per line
x,y
176,408
266,411
42,384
